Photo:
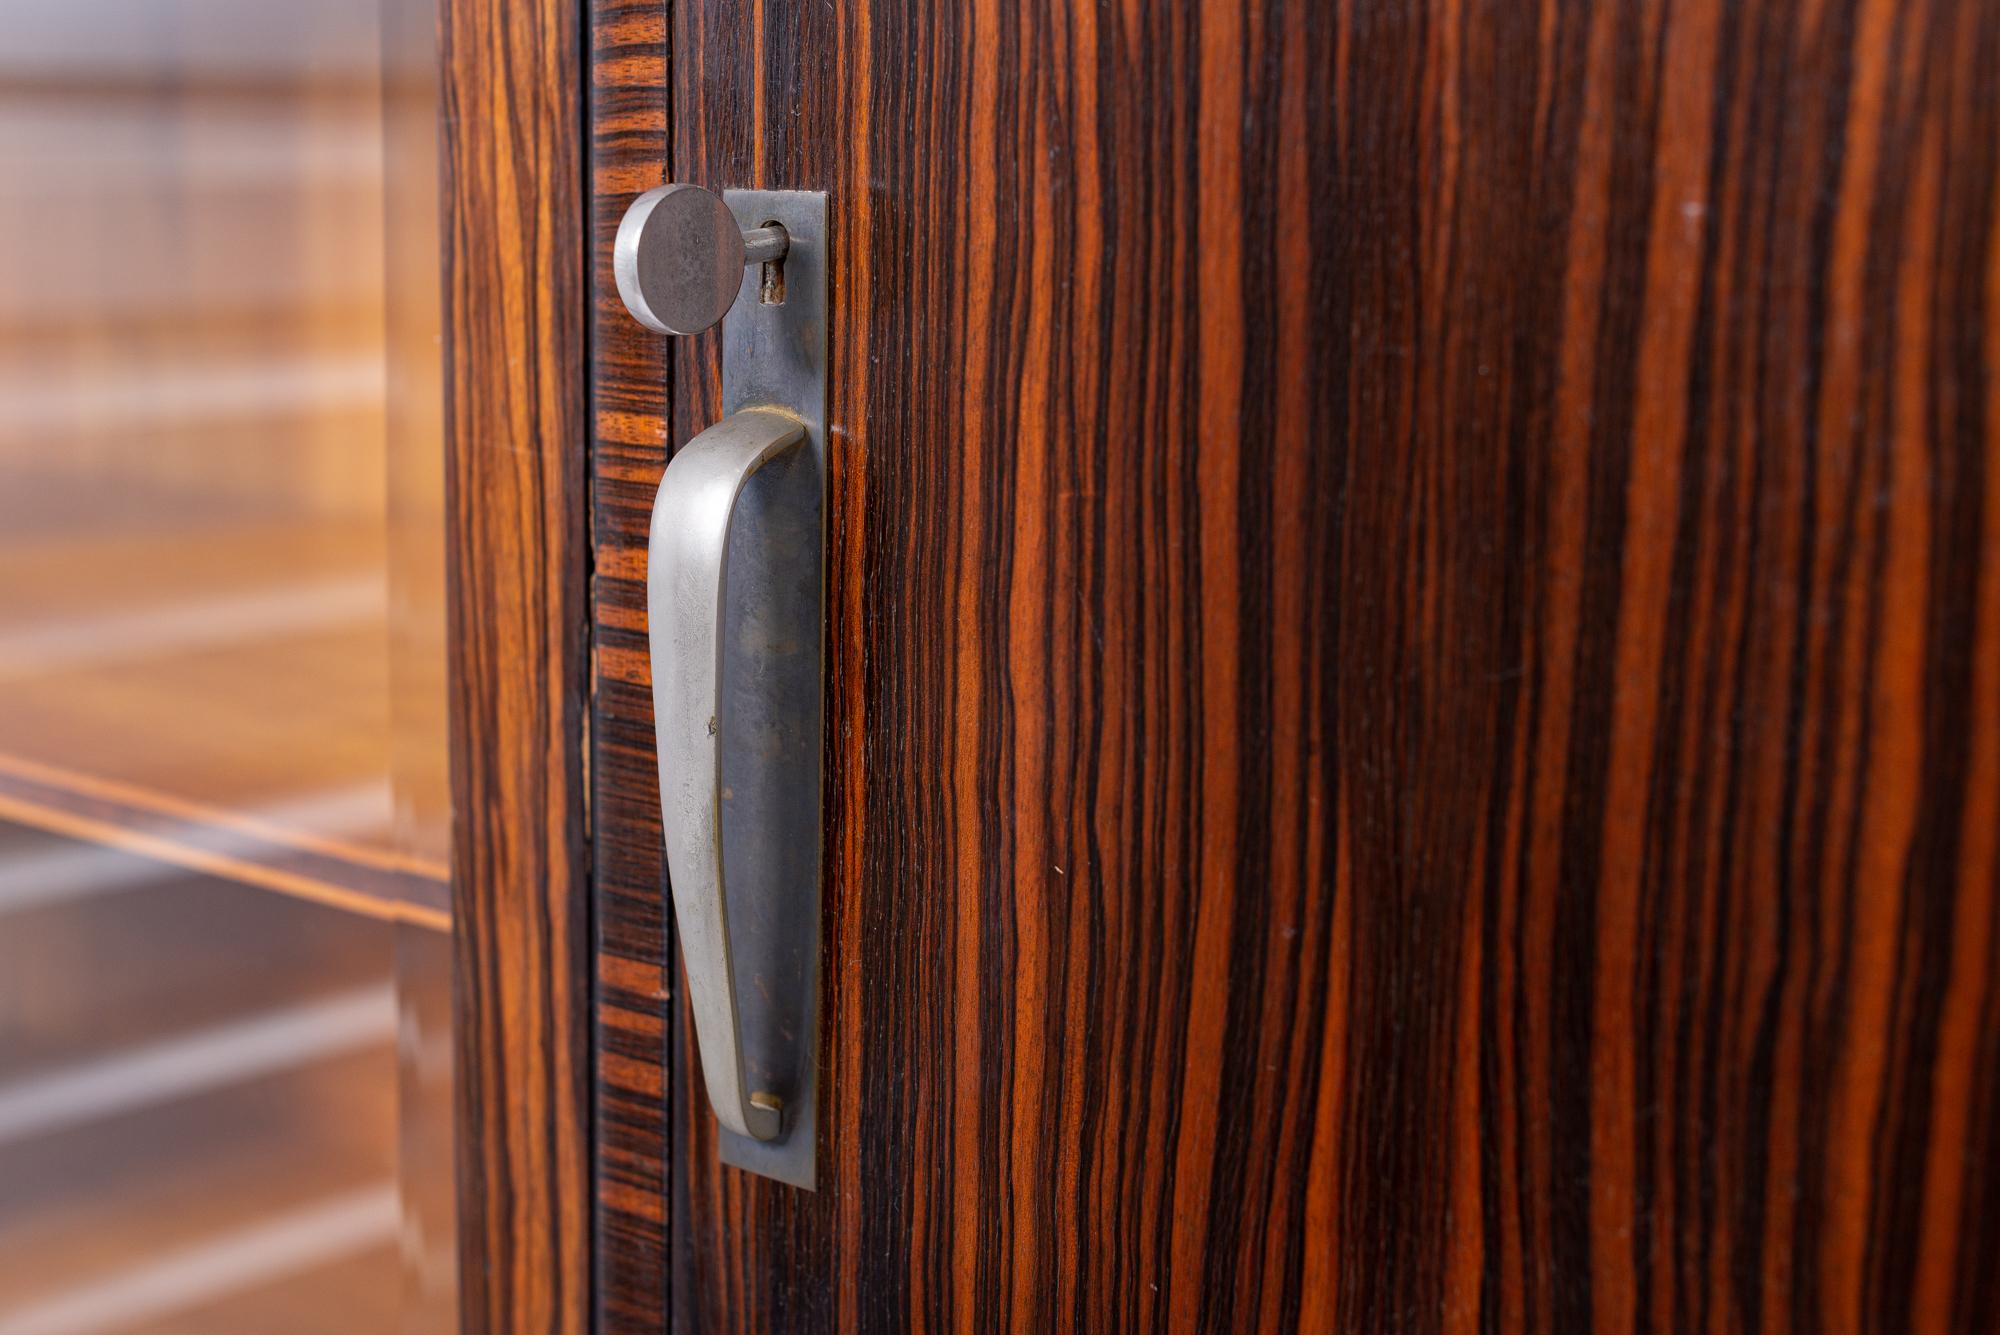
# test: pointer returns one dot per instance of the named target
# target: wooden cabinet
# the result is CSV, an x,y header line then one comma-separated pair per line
x,y
1412,644
1413,701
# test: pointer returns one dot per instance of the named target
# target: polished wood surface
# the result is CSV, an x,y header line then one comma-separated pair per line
x,y
1415,706
514,286
629,366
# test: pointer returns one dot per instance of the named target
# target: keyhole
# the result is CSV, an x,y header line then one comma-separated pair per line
x,y
771,282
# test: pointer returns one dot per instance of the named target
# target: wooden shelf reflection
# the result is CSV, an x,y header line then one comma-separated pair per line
x,y
222,754
220,843
199,1104
214,696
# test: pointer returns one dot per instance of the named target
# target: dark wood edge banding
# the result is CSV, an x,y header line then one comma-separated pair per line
x,y
628,118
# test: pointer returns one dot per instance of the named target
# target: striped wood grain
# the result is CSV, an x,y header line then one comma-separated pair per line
x,y
516,447
628,127
1415,705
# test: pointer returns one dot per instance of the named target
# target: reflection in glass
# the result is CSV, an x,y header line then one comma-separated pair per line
x,y
223,816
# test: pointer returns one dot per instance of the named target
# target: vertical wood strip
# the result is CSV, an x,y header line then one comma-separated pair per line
x,y
517,553
628,107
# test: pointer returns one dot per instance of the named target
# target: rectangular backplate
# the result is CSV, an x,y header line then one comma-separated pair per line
x,y
774,355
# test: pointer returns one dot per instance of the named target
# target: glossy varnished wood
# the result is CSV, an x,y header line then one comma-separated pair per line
x,y
628,127
514,248
1415,638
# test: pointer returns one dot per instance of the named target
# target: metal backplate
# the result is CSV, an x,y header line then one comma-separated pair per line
x,y
774,355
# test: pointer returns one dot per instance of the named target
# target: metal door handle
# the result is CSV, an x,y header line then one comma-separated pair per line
x,y
734,579
733,593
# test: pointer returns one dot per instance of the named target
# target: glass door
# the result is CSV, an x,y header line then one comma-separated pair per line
x,y
224,909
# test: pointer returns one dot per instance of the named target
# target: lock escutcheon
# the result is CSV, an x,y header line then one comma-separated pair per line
x,y
734,592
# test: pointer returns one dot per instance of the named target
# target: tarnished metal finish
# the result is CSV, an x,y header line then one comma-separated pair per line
x,y
775,352
735,589
733,600
678,259
775,356
761,245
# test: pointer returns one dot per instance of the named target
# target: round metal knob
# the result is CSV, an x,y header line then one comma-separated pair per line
x,y
679,258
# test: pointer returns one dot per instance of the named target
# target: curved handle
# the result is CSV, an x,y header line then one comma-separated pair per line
x,y
733,589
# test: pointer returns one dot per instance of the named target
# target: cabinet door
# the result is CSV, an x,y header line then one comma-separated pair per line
x,y
1413,703
224,819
